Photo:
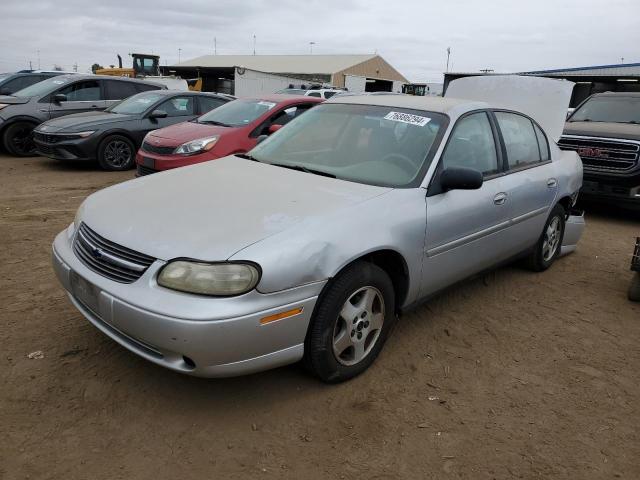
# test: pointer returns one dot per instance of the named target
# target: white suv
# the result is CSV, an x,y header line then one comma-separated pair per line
x,y
315,92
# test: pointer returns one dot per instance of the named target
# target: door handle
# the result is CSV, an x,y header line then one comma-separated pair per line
x,y
551,183
500,198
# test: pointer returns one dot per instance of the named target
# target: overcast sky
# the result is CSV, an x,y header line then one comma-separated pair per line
x,y
504,35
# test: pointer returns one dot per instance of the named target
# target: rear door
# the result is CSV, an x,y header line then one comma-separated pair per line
x,y
117,90
529,181
466,229
206,103
81,96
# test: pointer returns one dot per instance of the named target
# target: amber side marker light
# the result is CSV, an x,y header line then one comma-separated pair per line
x,y
281,315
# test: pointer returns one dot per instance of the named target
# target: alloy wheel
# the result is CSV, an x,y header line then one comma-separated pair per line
x,y
358,326
551,239
117,153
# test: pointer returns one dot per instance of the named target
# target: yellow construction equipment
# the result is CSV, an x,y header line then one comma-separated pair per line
x,y
146,66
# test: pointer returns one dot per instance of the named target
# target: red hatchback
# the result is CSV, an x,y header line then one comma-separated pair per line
x,y
232,128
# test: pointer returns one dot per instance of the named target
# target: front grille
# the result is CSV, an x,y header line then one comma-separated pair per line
x,y
147,147
44,138
44,149
142,170
109,259
602,155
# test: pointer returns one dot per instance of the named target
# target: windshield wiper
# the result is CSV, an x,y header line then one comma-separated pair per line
x,y
213,122
247,157
300,168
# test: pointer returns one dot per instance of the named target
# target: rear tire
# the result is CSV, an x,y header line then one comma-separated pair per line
x,y
634,288
550,243
351,322
116,153
18,139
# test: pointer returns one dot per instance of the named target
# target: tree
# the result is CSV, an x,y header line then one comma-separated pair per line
x,y
96,66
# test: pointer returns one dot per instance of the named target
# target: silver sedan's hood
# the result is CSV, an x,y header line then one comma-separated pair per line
x,y
211,210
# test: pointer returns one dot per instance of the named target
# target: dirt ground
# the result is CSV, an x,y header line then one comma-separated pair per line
x,y
513,375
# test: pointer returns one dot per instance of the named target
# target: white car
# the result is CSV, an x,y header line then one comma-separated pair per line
x,y
314,92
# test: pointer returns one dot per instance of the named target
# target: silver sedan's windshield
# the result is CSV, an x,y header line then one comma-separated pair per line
x,y
376,145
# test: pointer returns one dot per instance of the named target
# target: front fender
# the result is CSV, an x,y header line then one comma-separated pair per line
x,y
319,248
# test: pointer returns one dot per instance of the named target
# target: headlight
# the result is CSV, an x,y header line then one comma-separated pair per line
x,y
197,146
80,134
217,279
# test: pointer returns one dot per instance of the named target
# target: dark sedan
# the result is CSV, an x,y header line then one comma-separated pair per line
x,y
113,136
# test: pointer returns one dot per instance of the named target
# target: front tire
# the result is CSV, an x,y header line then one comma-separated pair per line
x,y
18,140
550,242
351,323
116,153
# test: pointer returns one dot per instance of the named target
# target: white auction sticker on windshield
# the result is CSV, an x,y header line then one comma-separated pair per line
x,y
269,105
407,118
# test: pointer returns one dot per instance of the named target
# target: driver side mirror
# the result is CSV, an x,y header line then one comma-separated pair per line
x,y
274,128
261,138
59,98
5,91
158,114
460,178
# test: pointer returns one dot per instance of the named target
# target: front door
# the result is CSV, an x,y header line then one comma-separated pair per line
x,y
82,96
466,229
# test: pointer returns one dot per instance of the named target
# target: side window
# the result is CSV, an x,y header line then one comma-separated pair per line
x,y
519,139
142,87
329,94
118,90
314,94
209,103
82,91
472,145
542,144
289,114
178,106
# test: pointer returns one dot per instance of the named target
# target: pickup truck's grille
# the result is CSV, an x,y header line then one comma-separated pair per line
x,y
603,155
109,259
147,147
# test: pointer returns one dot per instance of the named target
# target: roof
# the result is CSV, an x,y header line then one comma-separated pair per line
x,y
431,104
578,69
305,64
618,94
283,97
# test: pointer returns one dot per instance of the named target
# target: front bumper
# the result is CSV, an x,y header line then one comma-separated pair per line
x,y
148,162
76,149
624,190
192,334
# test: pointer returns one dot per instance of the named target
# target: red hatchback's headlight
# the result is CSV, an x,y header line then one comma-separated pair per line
x,y
197,146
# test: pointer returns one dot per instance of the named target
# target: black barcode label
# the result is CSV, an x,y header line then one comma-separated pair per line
x,y
407,118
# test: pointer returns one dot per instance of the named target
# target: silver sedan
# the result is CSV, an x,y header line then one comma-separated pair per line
x,y
311,245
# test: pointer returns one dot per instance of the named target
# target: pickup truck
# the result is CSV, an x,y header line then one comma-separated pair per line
x,y
605,132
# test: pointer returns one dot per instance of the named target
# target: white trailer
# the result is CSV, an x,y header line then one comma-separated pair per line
x,y
252,83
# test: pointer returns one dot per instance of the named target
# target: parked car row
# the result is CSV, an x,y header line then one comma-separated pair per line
x,y
57,96
309,245
112,137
